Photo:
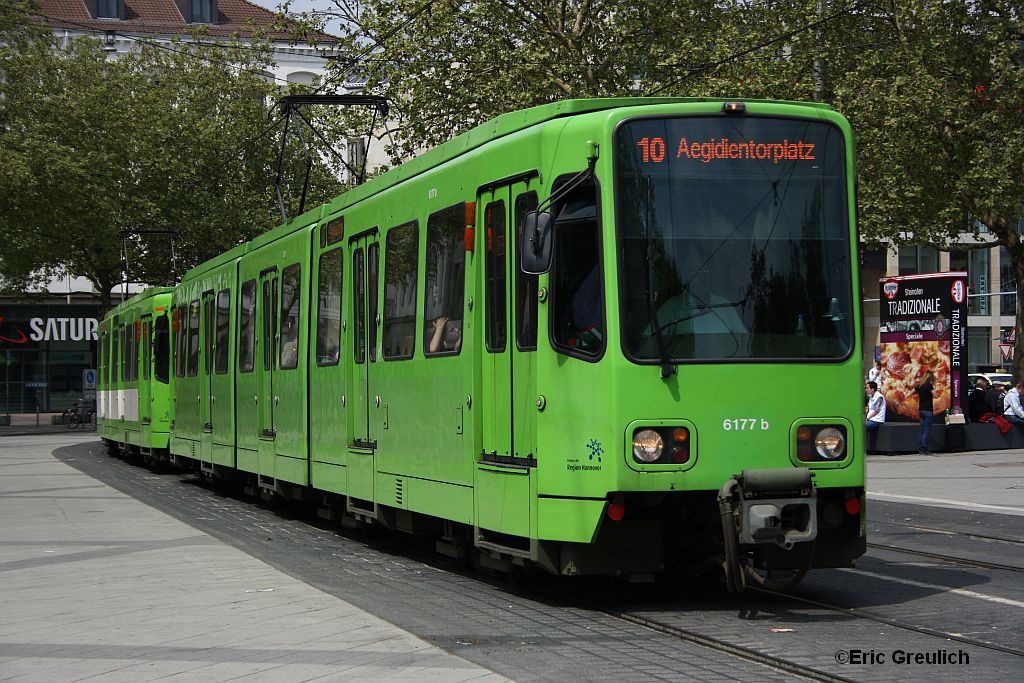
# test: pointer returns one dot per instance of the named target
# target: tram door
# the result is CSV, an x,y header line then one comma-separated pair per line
x,y
510,326
267,331
364,406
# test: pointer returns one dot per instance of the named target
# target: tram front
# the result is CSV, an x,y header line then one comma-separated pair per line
x,y
729,351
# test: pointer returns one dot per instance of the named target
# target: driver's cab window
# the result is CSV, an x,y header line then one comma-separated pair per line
x,y
578,320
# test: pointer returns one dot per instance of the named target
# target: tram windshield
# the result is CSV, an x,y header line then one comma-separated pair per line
x,y
733,239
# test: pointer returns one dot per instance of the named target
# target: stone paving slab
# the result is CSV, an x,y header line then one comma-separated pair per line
x,y
982,481
96,585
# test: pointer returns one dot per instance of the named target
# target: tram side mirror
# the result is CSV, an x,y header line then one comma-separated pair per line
x,y
535,251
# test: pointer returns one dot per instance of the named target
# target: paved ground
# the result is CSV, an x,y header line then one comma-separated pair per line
x,y
94,583
982,481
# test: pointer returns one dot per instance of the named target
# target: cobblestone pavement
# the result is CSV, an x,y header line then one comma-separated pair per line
x,y
525,636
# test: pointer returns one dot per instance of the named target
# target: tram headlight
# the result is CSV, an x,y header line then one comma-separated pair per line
x,y
647,445
830,443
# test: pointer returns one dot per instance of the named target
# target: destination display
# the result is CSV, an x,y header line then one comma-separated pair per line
x,y
923,328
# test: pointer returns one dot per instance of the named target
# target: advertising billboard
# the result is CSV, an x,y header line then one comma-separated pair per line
x,y
923,329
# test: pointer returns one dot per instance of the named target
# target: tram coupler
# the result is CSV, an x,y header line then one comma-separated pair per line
x,y
774,506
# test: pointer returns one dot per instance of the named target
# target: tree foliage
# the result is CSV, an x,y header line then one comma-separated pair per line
x,y
176,139
933,88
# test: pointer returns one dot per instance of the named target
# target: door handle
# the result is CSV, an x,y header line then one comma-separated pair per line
x,y
277,399
342,401
377,400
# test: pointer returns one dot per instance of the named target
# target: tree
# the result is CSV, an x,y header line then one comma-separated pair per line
x,y
161,139
933,89
936,101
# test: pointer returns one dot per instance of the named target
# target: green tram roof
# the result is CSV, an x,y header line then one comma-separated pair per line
x,y
147,293
500,126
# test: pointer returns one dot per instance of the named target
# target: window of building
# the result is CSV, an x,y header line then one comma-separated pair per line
x,y
291,293
202,11
356,153
1007,283
108,9
577,304
978,281
328,314
223,323
192,367
445,281
916,259
526,285
247,327
400,268
979,345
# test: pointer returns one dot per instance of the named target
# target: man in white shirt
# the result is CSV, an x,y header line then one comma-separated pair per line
x,y
875,373
876,407
1012,409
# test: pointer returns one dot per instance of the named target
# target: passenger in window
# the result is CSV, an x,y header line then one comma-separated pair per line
x,y
290,348
586,312
447,336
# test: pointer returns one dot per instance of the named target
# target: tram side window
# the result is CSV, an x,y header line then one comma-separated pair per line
x,y
126,346
209,318
104,377
161,351
136,346
223,320
193,339
269,322
147,349
328,314
291,290
372,270
495,275
180,339
577,302
115,339
526,284
359,306
445,281
247,327
400,291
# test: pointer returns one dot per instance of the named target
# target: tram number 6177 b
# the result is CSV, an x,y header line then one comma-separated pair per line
x,y
744,423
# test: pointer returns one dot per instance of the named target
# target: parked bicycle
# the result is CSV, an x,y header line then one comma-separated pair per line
x,y
79,415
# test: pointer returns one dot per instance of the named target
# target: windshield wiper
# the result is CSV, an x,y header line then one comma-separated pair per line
x,y
667,368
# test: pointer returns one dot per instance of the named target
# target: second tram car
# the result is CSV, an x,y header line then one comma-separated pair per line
x,y
611,336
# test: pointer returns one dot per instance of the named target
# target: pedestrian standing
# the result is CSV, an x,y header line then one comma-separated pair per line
x,y
924,411
876,407
875,373
1012,409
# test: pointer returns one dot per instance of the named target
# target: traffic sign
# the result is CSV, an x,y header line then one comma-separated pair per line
x,y
89,378
1006,351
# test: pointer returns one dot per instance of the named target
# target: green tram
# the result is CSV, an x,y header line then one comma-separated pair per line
x,y
609,336
133,397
